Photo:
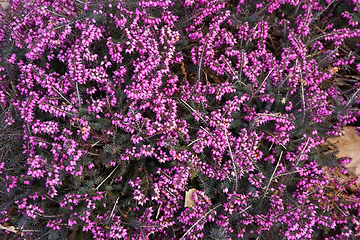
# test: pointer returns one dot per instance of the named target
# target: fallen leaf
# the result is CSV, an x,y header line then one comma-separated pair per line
x,y
357,77
189,202
4,4
9,228
349,146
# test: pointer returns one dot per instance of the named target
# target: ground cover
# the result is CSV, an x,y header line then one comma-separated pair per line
x,y
204,119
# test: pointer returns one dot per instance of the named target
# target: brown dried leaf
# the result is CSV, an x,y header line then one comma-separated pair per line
x,y
349,146
4,4
9,228
189,202
357,77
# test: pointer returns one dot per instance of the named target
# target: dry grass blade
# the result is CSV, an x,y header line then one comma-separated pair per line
x,y
198,221
272,176
106,178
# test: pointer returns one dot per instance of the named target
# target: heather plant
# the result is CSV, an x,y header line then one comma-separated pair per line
x,y
112,110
